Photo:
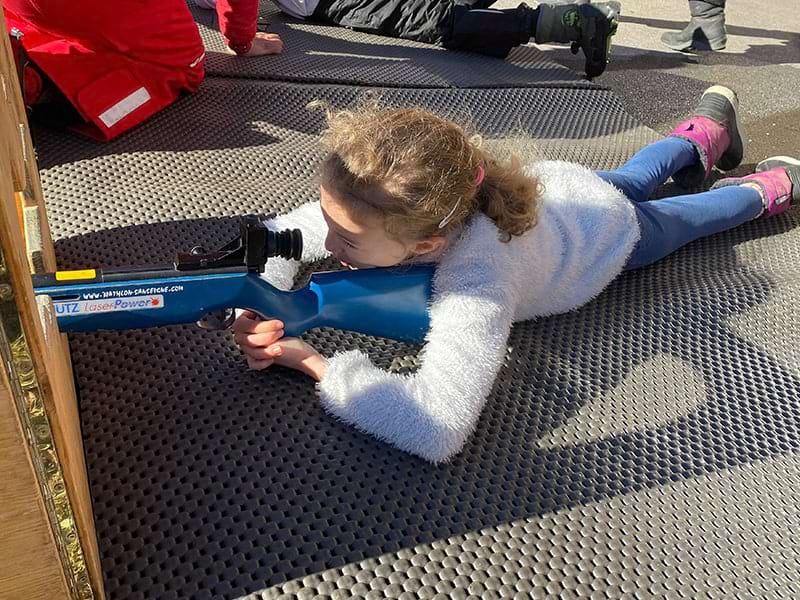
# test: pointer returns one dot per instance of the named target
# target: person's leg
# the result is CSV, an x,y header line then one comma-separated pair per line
x,y
777,180
668,224
115,74
490,31
472,26
650,167
705,31
712,136
417,20
671,223
158,33
716,133
496,32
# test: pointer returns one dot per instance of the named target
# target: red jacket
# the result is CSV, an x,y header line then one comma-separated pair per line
x,y
237,22
121,61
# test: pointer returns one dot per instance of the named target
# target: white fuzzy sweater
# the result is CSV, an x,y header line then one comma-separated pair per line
x,y
586,231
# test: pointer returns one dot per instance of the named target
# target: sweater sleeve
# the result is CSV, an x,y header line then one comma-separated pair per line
x,y
308,218
237,22
432,412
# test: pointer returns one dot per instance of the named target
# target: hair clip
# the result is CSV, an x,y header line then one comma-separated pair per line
x,y
449,216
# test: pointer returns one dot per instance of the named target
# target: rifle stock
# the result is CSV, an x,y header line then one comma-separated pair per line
x,y
389,302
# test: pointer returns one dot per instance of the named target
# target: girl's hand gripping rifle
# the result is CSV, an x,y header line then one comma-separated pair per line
x,y
206,287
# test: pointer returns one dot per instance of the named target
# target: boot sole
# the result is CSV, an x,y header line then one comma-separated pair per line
x,y
792,166
776,161
732,158
597,56
689,47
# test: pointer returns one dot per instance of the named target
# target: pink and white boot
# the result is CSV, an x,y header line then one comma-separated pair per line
x,y
777,180
715,132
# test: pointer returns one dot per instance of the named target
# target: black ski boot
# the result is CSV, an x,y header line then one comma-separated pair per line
x,y
586,26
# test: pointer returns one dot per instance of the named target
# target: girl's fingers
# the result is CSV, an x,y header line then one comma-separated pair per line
x,y
262,353
268,326
246,324
258,365
257,340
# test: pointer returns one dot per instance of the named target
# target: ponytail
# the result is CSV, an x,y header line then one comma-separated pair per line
x,y
509,197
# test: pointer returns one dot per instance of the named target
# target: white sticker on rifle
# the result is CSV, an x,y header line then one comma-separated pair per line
x,y
82,307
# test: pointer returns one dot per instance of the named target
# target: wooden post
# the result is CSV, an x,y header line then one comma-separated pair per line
x,y
38,385
31,567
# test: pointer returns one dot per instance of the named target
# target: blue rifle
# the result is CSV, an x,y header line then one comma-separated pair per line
x,y
206,287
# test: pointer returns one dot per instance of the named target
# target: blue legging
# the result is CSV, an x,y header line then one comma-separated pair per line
x,y
669,223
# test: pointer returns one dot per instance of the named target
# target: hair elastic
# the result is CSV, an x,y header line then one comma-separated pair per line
x,y
481,174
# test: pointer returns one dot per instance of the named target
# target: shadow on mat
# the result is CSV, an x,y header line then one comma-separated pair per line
x,y
785,50
141,245
217,481
233,114
755,56
321,59
320,53
192,123
642,77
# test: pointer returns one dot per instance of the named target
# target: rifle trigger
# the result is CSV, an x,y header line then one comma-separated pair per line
x,y
218,319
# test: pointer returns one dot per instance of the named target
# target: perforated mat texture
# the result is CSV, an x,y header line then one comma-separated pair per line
x,y
644,446
247,146
329,54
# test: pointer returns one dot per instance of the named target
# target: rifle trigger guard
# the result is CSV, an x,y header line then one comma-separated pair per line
x,y
217,320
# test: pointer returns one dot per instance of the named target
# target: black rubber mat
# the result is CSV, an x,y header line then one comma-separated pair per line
x,y
247,146
328,54
645,446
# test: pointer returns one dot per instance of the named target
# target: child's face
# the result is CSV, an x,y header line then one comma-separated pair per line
x,y
364,243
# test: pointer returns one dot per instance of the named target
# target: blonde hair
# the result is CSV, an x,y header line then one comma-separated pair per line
x,y
420,173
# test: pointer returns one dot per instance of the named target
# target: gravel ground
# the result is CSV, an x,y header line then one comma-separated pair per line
x,y
660,86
